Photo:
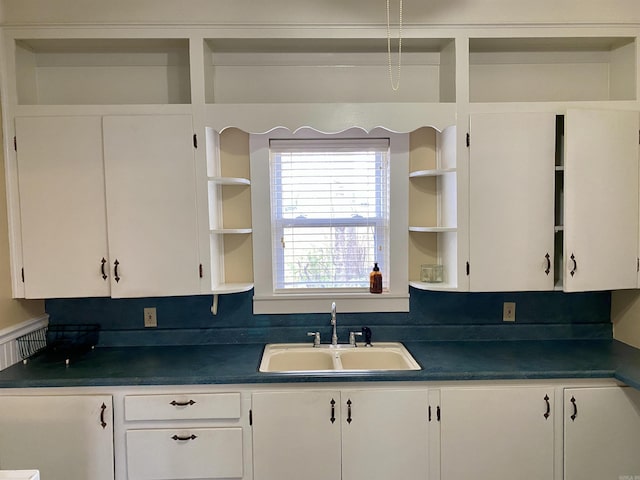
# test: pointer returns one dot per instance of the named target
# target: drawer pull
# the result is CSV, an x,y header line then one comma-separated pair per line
x,y
178,438
182,404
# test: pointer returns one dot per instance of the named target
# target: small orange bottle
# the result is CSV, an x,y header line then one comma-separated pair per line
x,y
375,280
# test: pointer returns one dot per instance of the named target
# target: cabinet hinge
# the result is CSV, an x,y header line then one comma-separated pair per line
x,y
195,141
250,417
15,143
468,139
22,274
200,271
467,268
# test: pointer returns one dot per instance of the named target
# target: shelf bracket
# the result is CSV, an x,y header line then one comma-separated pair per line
x,y
214,306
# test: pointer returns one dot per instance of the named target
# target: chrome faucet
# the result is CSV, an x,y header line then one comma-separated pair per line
x,y
334,323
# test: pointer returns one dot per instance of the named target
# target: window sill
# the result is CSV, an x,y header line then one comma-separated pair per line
x,y
321,303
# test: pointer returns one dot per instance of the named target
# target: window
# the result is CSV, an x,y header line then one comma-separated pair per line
x,y
329,212
325,208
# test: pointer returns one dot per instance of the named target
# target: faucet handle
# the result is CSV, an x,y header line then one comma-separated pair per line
x,y
316,338
352,337
366,331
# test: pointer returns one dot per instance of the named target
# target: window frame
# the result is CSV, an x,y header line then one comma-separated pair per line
x,y
267,300
281,223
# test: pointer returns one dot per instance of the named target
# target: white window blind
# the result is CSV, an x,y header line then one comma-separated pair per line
x,y
329,212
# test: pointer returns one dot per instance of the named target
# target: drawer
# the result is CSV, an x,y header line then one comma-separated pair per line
x,y
184,454
182,406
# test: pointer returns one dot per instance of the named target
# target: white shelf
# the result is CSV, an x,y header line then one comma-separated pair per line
x,y
431,173
231,231
445,287
552,69
226,288
432,229
109,71
229,181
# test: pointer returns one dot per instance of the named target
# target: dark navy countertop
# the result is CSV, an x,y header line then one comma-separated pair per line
x,y
238,364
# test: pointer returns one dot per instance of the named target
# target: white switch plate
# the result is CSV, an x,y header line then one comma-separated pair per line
x,y
150,319
509,312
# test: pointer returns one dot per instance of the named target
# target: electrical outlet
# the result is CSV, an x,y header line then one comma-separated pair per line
x,y
150,319
509,312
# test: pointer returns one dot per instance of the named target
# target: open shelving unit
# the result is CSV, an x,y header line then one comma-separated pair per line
x,y
107,71
433,206
229,211
326,70
548,69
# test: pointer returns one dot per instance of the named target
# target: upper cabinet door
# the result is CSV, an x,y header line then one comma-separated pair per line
x,y
511,201
601,200
62,206
151,205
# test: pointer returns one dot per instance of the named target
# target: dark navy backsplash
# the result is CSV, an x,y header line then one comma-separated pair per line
x,y
433,316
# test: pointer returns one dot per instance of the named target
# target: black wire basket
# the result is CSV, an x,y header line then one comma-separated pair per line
x,y
64,341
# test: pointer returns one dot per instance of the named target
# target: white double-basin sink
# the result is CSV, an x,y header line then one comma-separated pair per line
x,y
305,358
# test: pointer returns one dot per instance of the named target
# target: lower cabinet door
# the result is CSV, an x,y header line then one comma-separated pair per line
x,y
384,434
296,435
184,454
601,433
497,433
65,437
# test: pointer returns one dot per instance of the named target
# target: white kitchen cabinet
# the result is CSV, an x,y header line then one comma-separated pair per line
x,y
296,434
62,206
511,201
151,205
85,207
497,433
348,434
553,207
601,433
184,435
384,434
600,200
65,437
